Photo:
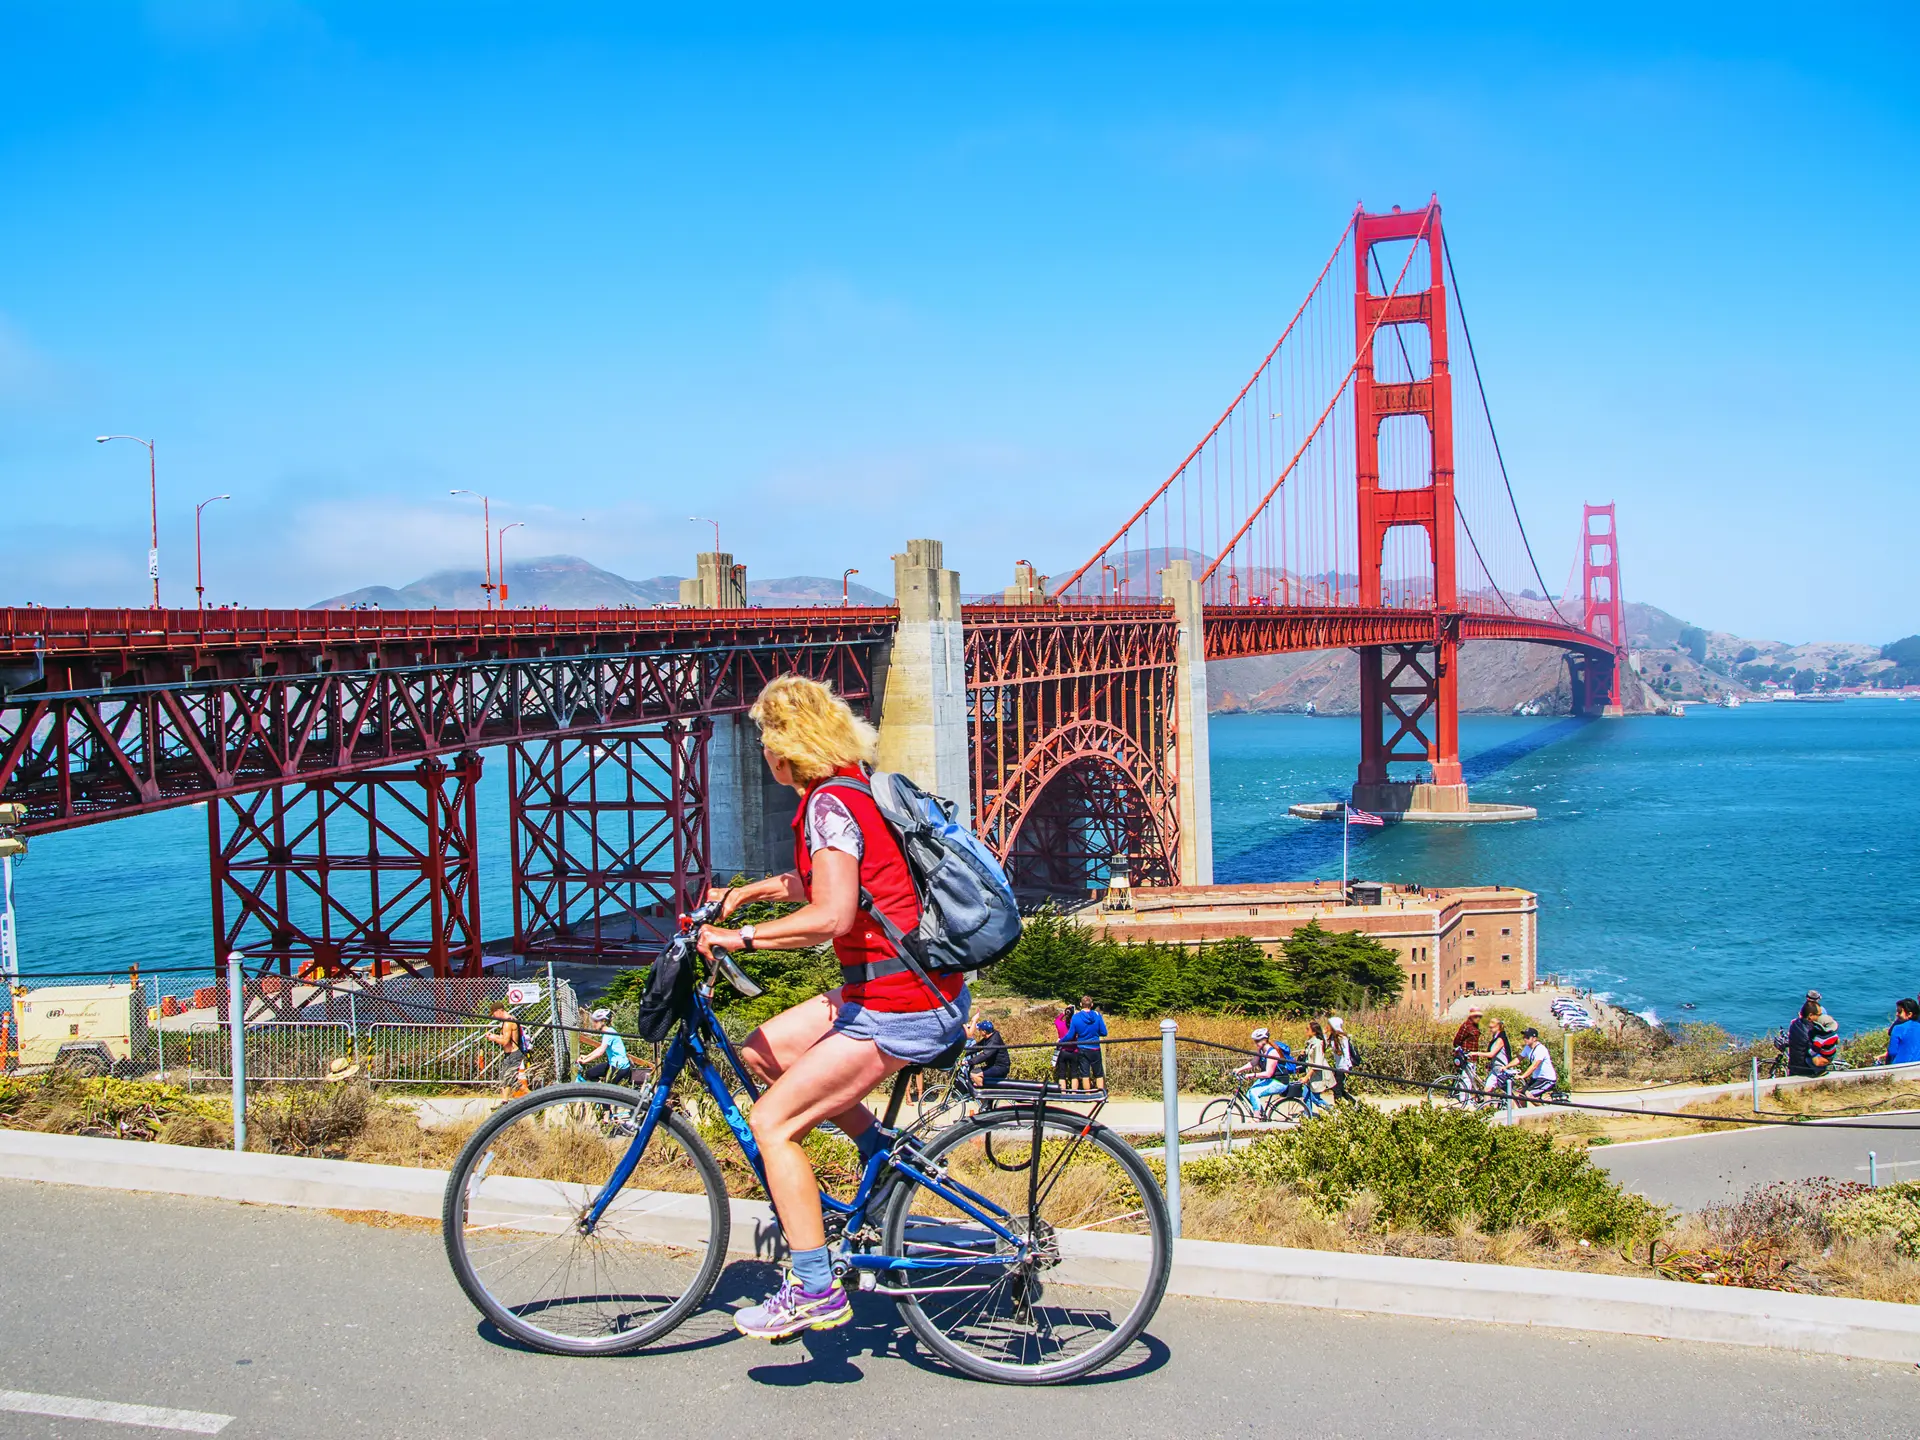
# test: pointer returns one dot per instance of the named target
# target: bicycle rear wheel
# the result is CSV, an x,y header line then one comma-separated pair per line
x,y
1099,1246
517,1199
1217,1113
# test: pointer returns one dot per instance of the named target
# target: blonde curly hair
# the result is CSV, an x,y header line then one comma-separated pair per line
x,y
811,728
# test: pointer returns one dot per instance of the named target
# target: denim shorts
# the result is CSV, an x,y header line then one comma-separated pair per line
x,y
915,1036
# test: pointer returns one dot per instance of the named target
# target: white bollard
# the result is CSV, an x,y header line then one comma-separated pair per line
x,y
1170,1094
236,1022
1756,1084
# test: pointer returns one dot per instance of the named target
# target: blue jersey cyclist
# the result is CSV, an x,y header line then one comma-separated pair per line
x,y
820,1059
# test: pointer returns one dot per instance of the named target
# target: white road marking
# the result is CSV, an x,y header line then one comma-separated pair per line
x,y
154,1417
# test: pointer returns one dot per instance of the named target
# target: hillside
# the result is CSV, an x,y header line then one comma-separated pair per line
x,y
1675,660
568,582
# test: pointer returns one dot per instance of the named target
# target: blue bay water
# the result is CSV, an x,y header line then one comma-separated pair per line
x,y
1731,859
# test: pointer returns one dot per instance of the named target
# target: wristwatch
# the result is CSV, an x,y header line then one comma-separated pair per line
x,y
746,938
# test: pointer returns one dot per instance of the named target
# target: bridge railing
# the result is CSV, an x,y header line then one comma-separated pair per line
x,y
35,629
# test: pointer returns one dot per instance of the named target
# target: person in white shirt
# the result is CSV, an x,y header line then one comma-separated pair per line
x,y
1537,1075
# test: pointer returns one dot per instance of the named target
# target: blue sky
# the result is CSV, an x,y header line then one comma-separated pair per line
x,y
982,272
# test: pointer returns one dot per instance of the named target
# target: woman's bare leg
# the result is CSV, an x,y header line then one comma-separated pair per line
x,y
826,1082
772,1049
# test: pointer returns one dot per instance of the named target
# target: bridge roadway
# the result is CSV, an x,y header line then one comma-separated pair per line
x,y
298,1325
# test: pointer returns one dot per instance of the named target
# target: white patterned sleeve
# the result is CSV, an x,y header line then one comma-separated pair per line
x,y
831,826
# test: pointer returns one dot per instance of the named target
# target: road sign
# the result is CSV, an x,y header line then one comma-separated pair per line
x,y
523,992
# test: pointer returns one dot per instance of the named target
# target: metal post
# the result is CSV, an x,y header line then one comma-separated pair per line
x,y
1873,1169
1566,1058
1170,1094
353,1029
236,1022
159,1035
1756,1084
560,1056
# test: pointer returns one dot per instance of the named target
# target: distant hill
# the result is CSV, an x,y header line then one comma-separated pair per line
x,y
567,582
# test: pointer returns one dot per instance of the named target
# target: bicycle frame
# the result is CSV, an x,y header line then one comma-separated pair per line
x,y
694,1041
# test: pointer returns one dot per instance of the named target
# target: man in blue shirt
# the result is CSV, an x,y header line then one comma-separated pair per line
x,y
1903,1040
1085,1032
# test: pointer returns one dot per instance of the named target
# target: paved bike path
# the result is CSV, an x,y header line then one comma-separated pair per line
x,y
300,1325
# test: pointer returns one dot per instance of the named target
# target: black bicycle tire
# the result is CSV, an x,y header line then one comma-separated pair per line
x,y
1295,1108
894,1226
1229,1103
719,1233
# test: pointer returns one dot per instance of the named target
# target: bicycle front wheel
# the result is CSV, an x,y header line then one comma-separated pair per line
x,y
515,1222
1097,1242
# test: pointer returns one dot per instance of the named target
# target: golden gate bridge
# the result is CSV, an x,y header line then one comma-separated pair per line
x,y
1353,495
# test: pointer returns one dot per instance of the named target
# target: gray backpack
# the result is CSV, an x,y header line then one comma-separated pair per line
x,y
968,916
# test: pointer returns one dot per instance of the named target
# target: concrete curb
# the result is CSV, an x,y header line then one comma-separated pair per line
x,y
1379,1284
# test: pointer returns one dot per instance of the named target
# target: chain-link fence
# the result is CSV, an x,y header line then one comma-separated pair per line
x,y
400,1029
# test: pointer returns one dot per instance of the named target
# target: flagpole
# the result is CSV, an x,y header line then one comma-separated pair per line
x,y
1346,825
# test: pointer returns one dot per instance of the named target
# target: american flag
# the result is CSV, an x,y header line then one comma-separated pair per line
x,y
1361,817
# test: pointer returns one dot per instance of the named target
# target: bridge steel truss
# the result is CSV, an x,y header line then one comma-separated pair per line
x,y
1071,728
341,802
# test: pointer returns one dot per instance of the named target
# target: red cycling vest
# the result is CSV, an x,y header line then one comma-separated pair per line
x,y
871,972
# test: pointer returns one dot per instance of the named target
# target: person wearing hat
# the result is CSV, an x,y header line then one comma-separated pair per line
x,y
1269,1069
987,1059
607,1060
1537,1075
1339,1055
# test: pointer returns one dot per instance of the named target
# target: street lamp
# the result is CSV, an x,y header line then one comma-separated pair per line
x,y
486,520
844,601
501,541
153,505
1116,577
702,520
199,582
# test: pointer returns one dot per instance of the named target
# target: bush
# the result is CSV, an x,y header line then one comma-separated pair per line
x,y
309,1119
1893,1210
1432,1169
60,1103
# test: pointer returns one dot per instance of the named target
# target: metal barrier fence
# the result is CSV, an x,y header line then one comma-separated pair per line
x,y
399,1030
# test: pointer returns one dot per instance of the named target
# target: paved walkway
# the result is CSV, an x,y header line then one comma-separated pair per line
x,y
299,1326
1691,1172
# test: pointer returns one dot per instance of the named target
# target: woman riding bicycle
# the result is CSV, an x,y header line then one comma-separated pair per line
x,y
821,1058
1269,1070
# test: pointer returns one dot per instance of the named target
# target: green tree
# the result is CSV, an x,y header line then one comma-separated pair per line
x,y
1340,971
1693,640
1054,959
1232,977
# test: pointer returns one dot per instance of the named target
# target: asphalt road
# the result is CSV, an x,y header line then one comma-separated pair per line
x,y
299,1324
1694,1171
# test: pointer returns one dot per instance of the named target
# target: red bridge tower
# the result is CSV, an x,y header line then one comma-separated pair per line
x,y
1409,697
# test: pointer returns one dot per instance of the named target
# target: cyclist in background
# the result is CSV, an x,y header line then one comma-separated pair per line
x,y
1537,1075
821,1058
607,1060
1270,1069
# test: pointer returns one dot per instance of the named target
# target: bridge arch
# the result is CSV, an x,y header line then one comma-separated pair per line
x,y
1084,793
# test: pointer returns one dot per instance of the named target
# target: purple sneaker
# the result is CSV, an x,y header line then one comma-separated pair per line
x,y
789,1310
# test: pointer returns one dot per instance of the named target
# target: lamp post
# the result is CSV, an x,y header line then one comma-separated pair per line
x,y
199,580
501,541
486,520
1116,577
844,600
702,520
153,507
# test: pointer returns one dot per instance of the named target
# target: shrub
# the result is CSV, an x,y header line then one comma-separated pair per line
x,y
60,1103
1893,1210
309,1119
1432,1169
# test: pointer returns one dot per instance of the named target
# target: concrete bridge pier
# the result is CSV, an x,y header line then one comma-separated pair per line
x,y
920,683
750,814
1190,762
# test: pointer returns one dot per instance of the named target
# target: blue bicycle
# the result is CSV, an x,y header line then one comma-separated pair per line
x,y
1026,1245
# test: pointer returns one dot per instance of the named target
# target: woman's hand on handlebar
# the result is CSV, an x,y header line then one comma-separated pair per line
x,y
714,935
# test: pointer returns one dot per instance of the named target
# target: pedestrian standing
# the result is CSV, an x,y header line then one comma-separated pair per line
x,y
1319,1072
1085,1031
1064,1055
1339,1055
